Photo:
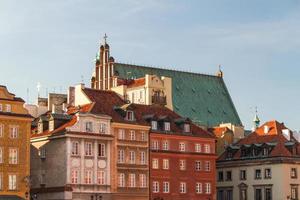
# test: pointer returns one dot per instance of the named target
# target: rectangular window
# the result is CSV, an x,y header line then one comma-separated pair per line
x,y
155,145
243,194
166,164
121,156
1,155
199,188
155,187
243,175
12,182
207,148
88,149
1,181
181,146
198,165
13,156
14,131
103,128
268,173
121,134
167,126
268,194
220,176
1,130
74,176
154,125
207,166
294,192
258,194
143,180
294,173
198,148
143,136
131,180
132,157
121,180
165,145
187,128
130,116
132,135
182,164
101,177
182,188
1,108
155,163
101,150
8,108
257,174
166,187
228,176
75,148
88,177
89,127
207,188
143,157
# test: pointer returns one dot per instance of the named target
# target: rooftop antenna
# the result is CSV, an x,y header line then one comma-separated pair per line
x,y
38,88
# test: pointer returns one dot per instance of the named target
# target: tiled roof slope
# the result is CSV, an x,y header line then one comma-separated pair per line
x,y
274,137
203,98
106,102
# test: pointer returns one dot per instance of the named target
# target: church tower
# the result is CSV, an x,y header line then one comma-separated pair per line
x,y
102,78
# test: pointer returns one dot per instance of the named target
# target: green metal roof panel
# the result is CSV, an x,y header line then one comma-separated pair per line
x,y
203,98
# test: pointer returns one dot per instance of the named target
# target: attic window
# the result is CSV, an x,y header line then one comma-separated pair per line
x,y
186,128
167,126
154,125
89,127
130,116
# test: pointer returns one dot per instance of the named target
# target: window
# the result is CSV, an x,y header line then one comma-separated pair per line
x,y
258,194
132,157
14,130
154,125
155,163
74,176
268,173
257,174
101,150
129,116
182,164
186,128
13,156
207,148
293,173
121,134
166,187
101,177
294,192
243,193
121,180
131,180
207,166
198,148
89,127
1,155
228,176
165,145
198,165
167,126
155,145
181,146
182,188
143,180
155,187
166,164
42,152
220,176
243,175
1,181
1,130
75,148
143,157
199,188
12,182
88,149
132,135
121,156
8,108
268,194
102,128
88,177
1,108
207,188
143,136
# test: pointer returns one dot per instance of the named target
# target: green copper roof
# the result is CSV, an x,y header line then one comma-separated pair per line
x,y
203,98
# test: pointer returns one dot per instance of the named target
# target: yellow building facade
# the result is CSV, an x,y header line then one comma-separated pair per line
x,y
15,125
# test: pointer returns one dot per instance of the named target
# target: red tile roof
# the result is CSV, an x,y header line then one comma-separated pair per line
x,y
219,131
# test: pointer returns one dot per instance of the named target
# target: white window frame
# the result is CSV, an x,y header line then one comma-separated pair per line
x,y
143,157
8,108
187,128
155,163
88,177
166,164
199,188
182,188
132,180
89,127
1,107
207,188
207,148
101,177
12,182
182,146
198,165
74,176
13,131
154,125
101,150
121,134
155,145
13,156
165,145
143,136
166,187
103,128
132,135
167,126
132,157
75,148
121,156
198,148
121,180
88,149
155,187
143,180
207,166
130,115
182,165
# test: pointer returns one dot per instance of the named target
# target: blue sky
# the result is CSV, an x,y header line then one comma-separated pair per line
x,y
256,42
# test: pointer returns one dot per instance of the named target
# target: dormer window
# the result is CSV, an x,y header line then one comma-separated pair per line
x,y
154,125
130,116
167,126
89,127
186,128
102,128
40,127
51,125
